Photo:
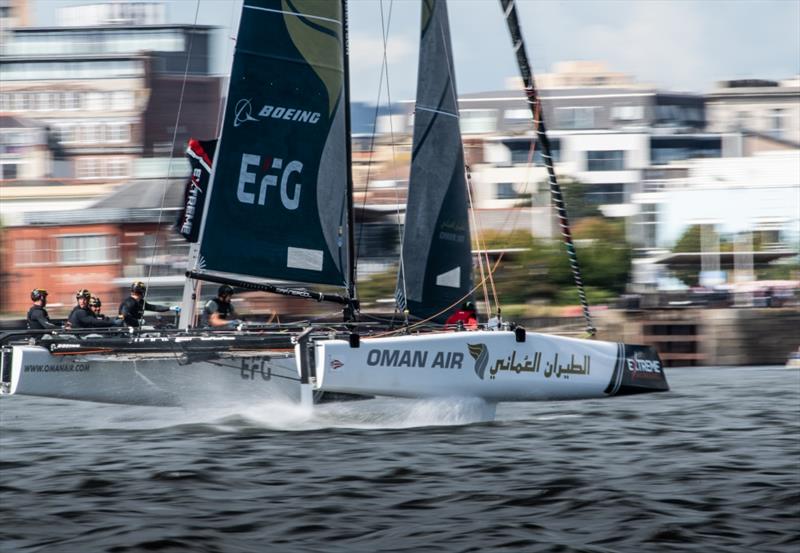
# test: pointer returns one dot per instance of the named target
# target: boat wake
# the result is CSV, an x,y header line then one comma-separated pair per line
x,y
284,416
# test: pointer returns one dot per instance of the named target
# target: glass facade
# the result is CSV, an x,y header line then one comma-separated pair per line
x,y
605,160
674,148
583,117
73,70
85,42
521,152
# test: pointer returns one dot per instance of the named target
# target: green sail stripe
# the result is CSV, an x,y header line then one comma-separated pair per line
x,y
320,48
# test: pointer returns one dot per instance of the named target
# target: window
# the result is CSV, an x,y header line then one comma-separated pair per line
x,y
627,113
9,171
89,168
607,160
118,132
505,191
475,121
122,100
117,168
31,251
520,152
70,100
87,248
606,193
666,149
775,127
576,117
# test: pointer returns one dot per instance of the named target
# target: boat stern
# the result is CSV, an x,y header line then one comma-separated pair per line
x,y
638,371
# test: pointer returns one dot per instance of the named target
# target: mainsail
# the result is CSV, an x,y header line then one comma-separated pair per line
x,y
278,206
436,266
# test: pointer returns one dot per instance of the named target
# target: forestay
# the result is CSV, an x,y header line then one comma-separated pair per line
x,y
277,204
436,255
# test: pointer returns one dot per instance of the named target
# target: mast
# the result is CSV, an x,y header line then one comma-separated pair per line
x,y
534,103
351,269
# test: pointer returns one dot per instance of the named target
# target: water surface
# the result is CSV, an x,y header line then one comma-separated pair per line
x,y
713,465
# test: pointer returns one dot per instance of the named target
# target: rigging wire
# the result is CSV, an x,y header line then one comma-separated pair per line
x,y
400,227
372,142
172,148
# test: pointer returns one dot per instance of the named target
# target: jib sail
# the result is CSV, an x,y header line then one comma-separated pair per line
x,y
436,255
277,205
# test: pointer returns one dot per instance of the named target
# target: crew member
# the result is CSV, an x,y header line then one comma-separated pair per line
x,y
132,308
37,314
466,316
82,316
96,305
219,312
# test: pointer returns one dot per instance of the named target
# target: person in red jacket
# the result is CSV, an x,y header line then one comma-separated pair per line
x,y
466,316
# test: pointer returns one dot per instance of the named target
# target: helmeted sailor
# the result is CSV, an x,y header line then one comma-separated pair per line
x,y
132,308
466,316
219,312
82,315
96,306
38,318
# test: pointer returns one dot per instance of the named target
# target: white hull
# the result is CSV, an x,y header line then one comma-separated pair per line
x,y
153,379
492,365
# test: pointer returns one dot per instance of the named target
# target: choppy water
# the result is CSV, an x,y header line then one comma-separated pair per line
x,y
713,465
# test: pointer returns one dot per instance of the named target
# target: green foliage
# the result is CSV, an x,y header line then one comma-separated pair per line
x,y
689,240
378,287
543,273
576,198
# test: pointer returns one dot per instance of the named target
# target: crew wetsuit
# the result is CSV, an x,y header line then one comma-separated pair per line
x,y
224,309
84,318
38,318
132,310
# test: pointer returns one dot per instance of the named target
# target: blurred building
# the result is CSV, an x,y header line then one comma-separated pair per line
x,y
101,104
766,111
124,237
91,81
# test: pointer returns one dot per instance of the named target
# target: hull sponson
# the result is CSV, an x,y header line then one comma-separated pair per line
x,y
163,379
485,364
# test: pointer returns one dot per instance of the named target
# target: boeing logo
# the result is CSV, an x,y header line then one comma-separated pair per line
x,y
243,112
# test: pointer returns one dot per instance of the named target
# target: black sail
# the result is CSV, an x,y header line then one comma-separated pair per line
x,y
436,264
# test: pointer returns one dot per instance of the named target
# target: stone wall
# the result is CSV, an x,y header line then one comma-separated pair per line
x,y
722,336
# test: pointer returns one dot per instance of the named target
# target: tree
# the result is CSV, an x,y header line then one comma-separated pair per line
x,y
576,197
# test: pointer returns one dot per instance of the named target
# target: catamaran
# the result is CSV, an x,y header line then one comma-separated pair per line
x,y
271,201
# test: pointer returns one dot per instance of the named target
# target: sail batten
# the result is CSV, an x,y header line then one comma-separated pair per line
x,y
436,268
277,207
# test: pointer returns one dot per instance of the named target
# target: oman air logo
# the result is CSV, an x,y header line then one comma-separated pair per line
x,y
480,354
243,112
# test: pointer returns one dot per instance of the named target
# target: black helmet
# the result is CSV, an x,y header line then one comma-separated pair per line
x,y
139,287
83,293
38,294
469,306
225,290
94,301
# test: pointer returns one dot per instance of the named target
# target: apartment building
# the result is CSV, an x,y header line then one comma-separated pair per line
x,y
91,86
770,109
